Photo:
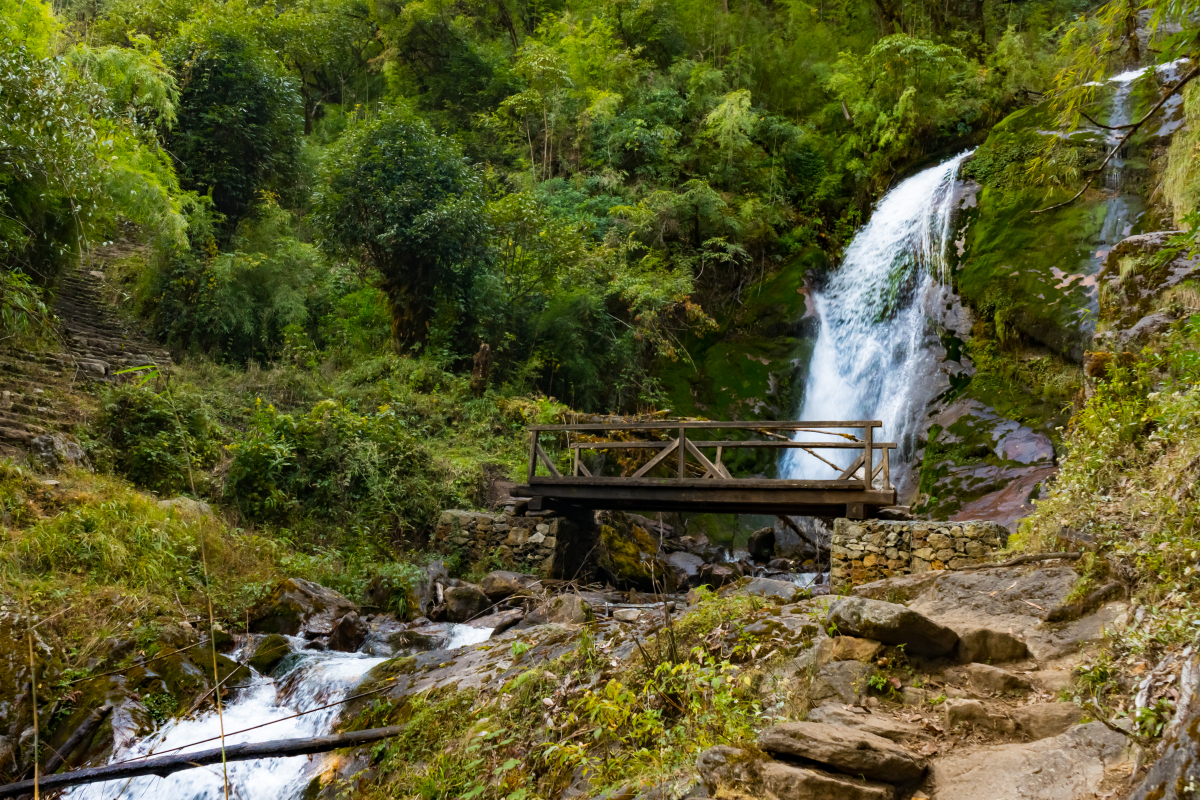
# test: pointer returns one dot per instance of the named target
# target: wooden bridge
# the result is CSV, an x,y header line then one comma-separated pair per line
x,y
679,466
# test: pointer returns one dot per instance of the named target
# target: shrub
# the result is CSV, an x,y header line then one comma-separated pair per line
x,y
148,437
335,464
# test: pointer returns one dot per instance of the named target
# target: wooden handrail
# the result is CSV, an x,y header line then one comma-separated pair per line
x,y
738,425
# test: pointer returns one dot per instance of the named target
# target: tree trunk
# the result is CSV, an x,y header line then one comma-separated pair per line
x,y
162,766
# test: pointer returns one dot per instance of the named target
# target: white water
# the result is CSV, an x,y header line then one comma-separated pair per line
x,y
870,357
319,679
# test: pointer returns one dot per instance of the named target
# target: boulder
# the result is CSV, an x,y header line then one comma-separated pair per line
x,y
270,651
628,555
501,584
843,681
725,767
851,648
627,614
564,609
500,621
54,451
1044,720
297,607
718,575
988,646
419,640
464,602
348,634
762,545
883,725
1178,766
986,678
962,711
848,750
1066,767
425,589
786,782
891,624
186,506
765,587
687,563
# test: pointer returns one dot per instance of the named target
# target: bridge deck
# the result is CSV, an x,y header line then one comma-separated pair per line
x,y
701,482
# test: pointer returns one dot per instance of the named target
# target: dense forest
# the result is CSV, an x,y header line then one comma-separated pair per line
x,y
596,182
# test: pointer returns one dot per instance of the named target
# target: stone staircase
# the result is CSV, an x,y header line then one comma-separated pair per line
x,y
44,396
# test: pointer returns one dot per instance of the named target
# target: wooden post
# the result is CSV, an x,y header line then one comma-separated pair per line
x,y
887,469
682,451
868,455
532,456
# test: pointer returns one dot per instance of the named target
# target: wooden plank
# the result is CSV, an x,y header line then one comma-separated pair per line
x,y
546,484
724,472
579,465
850,470
546,460
770,425
618,445
652,463
887,470
868,457
712,496
533,436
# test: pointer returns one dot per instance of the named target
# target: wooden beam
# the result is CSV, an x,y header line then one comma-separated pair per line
x,y
709,467
850,470
654,462
767,443
543,484
546,460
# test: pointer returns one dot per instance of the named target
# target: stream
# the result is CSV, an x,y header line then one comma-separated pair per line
x,y
307,680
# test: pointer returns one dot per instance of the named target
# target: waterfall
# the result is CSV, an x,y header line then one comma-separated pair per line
x,y
314,679
871,360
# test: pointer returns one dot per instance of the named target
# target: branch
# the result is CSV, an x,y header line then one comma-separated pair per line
x,y
163,766
1025,560
1133,128
1085,115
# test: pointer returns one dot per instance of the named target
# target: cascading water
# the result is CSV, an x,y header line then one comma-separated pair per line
x,y
875,314
316,679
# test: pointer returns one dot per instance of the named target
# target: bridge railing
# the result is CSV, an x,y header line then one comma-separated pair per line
x,y
699,447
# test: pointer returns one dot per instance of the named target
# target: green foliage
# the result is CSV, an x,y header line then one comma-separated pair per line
x,y
400,197
239,121
333,463
149,436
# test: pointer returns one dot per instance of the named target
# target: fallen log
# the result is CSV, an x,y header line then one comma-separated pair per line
x,y
83,733
162,766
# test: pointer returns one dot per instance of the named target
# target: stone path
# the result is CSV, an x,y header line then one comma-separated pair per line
x,y
45,395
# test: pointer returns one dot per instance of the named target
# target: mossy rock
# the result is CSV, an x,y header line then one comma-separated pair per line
x,y
295,605
628,555
270,651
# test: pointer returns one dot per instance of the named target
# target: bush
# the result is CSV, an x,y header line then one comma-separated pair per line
x,y
335,464
148,437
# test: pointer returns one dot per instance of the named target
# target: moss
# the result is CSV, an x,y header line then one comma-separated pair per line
x,y
270,651
629,554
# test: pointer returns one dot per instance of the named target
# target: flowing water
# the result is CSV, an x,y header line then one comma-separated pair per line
x,y
875,313
315,679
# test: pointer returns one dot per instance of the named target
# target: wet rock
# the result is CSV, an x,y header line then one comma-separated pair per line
x,y
988,646
787,782
464,602
891,624
882,725
781,565
688,564
843,681
627,614
848,750
298,606
348,634
725,767
1178,765
762,545
765,587
717,575
501,584
426,590
851,648
1066,767
500,621
1044,720
270,651
960,711
419,640
986,678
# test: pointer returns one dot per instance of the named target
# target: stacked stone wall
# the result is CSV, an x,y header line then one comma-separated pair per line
x,y
871,550
535,545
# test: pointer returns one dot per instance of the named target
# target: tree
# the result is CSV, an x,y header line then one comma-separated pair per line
x,y
238,129
401,198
